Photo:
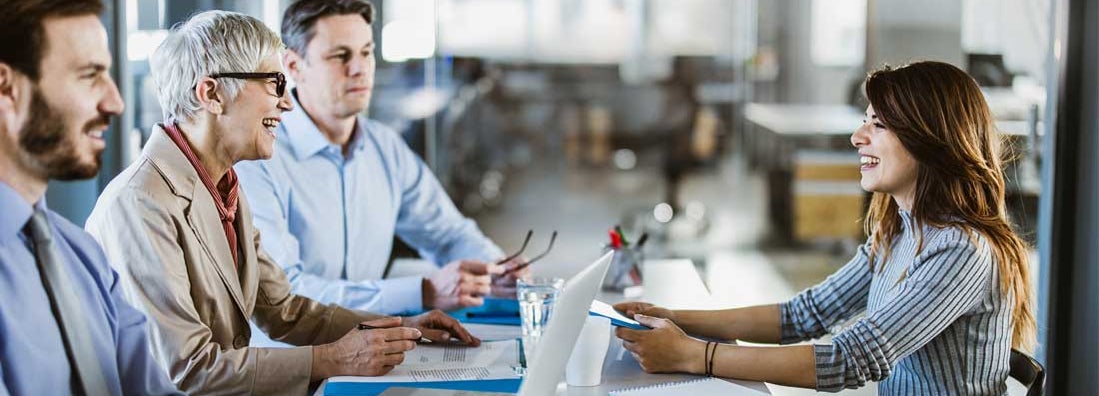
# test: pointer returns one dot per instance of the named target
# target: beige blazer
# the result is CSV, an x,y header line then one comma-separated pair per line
x,y
161,232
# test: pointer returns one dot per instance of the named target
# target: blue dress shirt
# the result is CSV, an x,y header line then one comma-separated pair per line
x,y
329,219
32,355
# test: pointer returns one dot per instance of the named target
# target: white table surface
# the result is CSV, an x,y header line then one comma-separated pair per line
x,y
804,119
669,283
809,120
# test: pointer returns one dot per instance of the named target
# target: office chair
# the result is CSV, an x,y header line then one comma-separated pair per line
x,y
1028,371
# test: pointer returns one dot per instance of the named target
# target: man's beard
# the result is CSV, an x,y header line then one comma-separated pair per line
x,y
45,141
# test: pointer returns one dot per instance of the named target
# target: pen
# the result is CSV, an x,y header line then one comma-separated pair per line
x,y
363,326
621,235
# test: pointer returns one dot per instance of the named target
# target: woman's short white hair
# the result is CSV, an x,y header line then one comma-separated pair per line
x,y
208,43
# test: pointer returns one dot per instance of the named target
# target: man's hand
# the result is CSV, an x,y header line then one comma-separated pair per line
x,y
439,327
462,283
365,352
503,284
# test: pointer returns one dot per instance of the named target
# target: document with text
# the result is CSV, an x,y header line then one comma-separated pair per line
x,y
453,362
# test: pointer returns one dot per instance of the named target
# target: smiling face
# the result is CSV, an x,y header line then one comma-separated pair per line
x,y
250,119
886,166
70,107
336,76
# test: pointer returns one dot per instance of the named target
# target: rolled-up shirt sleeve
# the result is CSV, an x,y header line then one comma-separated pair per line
x,y
944,282
841,296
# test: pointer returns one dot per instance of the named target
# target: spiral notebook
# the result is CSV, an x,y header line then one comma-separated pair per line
x,y
696,387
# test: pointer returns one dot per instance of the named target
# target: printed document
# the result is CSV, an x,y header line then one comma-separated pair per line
x,y
452,362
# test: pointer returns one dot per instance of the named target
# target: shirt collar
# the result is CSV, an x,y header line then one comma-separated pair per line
x,y
305,138
907,220
16,211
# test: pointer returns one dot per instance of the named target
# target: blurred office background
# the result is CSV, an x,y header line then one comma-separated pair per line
x,y
718,127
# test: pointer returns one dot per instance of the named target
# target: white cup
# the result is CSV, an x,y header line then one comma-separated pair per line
x,y
585,366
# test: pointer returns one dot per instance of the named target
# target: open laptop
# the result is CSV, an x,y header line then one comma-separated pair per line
x,y
547,367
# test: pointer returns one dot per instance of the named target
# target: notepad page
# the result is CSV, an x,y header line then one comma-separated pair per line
x,y
698,387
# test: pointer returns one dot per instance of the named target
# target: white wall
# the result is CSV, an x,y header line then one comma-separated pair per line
x,y
1018,29
786,25
901,31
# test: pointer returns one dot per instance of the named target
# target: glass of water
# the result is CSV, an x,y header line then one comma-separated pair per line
x,y
537,296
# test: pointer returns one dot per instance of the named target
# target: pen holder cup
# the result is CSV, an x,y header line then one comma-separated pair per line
x,y
625,270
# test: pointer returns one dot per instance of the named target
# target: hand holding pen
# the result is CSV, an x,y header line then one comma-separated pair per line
x,y
370,352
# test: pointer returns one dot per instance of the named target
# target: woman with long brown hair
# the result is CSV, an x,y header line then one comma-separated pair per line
x,y
943,281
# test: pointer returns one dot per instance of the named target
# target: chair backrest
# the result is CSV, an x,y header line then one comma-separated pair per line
x,y
1028,371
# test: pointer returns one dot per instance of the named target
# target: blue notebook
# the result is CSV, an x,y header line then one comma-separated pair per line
x,y
498,311
599,308
377,388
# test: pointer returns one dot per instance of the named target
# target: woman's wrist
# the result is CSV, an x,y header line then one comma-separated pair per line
x,y
674,317
695,323
697,354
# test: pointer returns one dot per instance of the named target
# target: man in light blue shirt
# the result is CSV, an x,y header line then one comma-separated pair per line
x,y
341,185
64,327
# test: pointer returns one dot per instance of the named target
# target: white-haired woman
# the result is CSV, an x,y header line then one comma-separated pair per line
x,y
184,242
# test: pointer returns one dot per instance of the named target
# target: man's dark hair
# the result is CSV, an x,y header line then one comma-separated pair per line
x,y
300,18
22,33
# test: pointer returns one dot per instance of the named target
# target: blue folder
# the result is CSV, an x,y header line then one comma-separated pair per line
x,y
509,385
620,323
377,388
499,311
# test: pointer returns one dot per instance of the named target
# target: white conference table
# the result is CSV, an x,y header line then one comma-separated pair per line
x,y
669,283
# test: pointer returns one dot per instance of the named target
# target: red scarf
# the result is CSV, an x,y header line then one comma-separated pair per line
x,y
225,194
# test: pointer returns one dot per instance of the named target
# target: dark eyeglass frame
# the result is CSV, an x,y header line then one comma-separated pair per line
x,y
280,79
526,241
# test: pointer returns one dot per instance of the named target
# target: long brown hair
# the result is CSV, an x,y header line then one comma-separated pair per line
x,y
940,116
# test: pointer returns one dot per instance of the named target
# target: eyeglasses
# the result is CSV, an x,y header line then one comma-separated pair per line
x,y
280,79
526,241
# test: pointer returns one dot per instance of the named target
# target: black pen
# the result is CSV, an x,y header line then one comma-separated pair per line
x,y
363,326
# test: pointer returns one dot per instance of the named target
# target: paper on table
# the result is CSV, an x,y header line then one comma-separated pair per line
x,y
490,332
494,332
606,310
441,362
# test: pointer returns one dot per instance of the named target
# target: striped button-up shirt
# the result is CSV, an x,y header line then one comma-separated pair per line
x,y
936,322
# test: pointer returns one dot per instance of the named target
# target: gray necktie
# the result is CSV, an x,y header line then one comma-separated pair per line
x,y
87,375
